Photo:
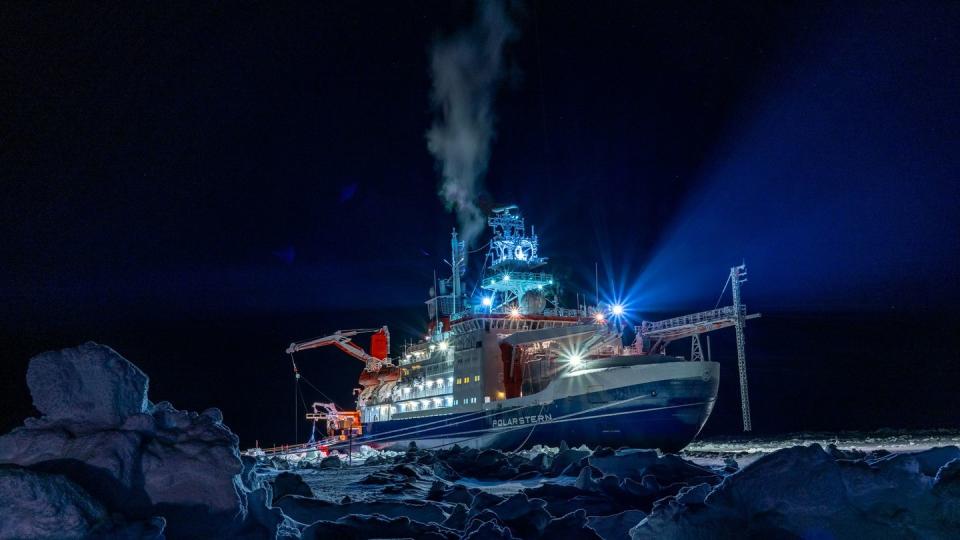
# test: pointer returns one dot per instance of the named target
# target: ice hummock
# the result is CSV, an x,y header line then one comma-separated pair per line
x,y
128,468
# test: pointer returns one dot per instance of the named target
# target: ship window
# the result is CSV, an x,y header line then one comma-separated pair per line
x,y
456,402
476,378
486,399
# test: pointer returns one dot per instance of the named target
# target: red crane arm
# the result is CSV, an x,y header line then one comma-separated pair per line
x,y
341,340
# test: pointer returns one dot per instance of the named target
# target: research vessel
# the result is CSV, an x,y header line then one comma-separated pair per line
x,y
502,364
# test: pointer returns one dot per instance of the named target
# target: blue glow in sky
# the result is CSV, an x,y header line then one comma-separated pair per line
x,y
831,186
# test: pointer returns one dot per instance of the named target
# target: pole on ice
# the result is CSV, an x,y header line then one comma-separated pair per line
x,y
738,275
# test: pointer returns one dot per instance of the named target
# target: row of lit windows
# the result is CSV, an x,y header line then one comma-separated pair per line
x,y
424,404
435,403
465,380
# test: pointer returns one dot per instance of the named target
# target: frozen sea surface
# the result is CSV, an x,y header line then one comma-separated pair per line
x,y
130,468
746,449
878,484
712,452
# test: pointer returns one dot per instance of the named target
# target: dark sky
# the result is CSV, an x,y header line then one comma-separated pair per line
x,y
198,186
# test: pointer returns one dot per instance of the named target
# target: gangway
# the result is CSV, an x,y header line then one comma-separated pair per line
x,y
653,337
660,333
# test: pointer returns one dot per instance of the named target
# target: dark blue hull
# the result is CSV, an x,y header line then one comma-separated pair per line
x,y
666,415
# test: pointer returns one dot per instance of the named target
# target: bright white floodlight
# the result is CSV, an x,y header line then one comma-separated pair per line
x,y
617,310
487,301
575,360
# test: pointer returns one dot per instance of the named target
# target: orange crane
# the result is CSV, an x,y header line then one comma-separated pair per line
x,y
378,368
374,360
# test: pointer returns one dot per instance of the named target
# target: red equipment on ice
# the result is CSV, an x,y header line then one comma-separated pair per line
x,y
340,424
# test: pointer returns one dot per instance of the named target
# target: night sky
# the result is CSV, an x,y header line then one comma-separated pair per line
x,y
198,186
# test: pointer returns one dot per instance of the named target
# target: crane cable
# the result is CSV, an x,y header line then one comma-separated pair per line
x,y
485,246
477,283
298,393
725,283
326,397
306,380
302,400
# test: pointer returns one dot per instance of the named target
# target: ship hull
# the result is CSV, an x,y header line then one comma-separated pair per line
x,y
662,406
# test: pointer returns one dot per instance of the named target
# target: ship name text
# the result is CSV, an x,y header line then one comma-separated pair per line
x,y
521,420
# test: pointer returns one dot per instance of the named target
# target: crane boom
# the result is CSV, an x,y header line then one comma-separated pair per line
x,y
341,340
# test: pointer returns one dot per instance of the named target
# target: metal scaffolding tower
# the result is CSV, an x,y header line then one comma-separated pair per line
x,y
653,337
738,275
696,353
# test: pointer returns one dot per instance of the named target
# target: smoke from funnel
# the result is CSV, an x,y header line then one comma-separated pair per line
x,y
466,71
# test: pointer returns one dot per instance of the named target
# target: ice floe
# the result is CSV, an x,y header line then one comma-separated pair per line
x,y
103,461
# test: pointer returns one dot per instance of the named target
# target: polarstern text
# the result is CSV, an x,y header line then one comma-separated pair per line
x,y
521,420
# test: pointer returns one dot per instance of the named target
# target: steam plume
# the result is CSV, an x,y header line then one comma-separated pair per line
x,y
466,70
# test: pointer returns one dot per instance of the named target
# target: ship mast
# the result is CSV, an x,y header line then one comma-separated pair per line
x,y
458,256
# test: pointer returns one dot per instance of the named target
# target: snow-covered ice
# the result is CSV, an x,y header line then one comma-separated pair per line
x,y
130,469
133,459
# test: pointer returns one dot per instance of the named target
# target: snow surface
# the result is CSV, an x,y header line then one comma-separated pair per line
x,y
89,384
771,487
127,469
129,458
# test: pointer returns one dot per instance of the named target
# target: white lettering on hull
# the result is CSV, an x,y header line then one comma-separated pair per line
x,y
521,420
